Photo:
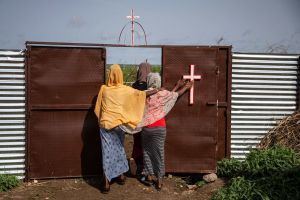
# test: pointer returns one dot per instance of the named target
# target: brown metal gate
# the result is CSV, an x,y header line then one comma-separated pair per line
x,y
62,130
198,134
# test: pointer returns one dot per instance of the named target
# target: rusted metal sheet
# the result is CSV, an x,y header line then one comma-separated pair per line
x,y
62,131
67,142
197,135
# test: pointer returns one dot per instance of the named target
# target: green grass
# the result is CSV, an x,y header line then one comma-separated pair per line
x,y
200,183
130,71
8,182
272,173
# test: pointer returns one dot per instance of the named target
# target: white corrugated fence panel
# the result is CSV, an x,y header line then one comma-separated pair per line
x,y
12,113
264,89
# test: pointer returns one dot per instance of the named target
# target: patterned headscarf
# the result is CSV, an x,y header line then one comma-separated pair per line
x,y
153,80
115,76
143,71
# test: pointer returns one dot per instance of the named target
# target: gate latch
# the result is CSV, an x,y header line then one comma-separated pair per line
x,y
220,104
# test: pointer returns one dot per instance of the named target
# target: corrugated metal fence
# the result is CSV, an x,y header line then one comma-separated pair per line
x,y
12,113
264,90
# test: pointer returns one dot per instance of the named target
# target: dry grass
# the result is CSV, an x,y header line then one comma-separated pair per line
x,y
286,133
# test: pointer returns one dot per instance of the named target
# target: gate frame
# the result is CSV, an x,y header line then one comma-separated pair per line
x,y
29,44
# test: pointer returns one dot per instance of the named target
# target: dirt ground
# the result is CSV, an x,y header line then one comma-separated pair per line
x,y
175,187
89,189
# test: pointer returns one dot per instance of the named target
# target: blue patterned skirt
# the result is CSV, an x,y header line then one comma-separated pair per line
x,y
113,154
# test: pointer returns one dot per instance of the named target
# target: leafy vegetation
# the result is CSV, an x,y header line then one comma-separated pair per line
x,y
130,71
272,173
200,183
231,168
8,182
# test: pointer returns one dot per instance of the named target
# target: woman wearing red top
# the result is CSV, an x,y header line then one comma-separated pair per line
x,y
154,135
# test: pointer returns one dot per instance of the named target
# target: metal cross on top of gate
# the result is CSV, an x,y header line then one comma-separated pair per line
x,y
192,77
133,21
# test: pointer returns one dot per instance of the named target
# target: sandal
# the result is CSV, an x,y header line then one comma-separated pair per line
x,y
147,180
121,179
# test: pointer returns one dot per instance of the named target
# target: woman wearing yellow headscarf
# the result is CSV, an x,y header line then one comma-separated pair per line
x,y
117,104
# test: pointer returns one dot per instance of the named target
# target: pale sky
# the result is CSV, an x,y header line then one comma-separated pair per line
x,y
248,25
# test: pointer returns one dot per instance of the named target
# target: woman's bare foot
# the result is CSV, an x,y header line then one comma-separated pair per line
x,y
121,179
159,183
105,185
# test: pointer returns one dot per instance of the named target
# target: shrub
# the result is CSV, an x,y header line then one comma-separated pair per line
x,y
281,185
230,168
8,182
272,173
278,186
239,188
269,161
260,163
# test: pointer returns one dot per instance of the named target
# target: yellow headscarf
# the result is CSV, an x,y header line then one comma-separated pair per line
x,y
119,104
115,76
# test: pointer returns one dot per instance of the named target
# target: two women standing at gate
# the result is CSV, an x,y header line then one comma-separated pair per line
x,y
117,104
119,108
